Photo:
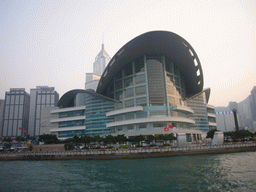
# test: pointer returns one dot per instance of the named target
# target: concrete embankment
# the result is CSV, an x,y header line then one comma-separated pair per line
x,y
130,154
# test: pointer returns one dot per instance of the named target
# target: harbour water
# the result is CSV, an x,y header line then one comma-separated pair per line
x,y
223,172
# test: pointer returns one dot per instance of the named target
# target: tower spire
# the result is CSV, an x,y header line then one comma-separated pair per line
x,y
102,45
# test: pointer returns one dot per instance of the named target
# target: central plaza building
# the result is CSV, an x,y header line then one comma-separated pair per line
x,y
155,81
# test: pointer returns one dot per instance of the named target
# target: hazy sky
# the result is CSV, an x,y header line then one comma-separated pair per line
x,y
54,43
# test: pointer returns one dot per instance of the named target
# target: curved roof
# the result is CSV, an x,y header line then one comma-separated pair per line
x,y
68,99
158,43
207,94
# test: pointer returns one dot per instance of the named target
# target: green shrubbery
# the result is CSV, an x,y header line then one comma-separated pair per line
x,y
30,148
69,146
124,146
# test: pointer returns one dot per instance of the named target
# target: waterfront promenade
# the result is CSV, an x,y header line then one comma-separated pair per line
x,y
130,153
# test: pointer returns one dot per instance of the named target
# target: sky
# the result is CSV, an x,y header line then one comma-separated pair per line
x,y
54,43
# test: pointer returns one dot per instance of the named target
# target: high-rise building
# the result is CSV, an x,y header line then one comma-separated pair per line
x,y
1,115
40,97
16,112
246,114
101,61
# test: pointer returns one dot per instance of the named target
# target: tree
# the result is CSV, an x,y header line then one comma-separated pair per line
x,y
239,135
85,139
121,138
170,137
20,138
110,139
150,138
30,148
136,139
69,146
210,133
77,139
48,139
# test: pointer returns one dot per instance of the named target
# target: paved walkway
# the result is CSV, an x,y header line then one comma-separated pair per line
x,y
124,152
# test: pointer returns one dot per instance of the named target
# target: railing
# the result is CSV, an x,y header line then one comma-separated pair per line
x,y
127,151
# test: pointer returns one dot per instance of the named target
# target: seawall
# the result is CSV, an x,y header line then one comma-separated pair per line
x,y
130,154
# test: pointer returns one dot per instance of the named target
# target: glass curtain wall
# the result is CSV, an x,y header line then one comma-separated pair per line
x,y
198,104
96,118
153,82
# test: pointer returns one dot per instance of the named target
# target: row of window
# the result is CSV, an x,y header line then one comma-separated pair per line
x,y
71,113
14,99
49,99
11,127
71,123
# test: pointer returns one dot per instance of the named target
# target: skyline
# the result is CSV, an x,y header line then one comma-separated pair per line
x,y
45,43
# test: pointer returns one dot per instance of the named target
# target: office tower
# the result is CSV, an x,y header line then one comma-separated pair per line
x,y
40,97
101,61
1,115
16,112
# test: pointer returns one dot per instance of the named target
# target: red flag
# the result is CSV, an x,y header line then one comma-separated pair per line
x,y
170,126
20,128
24,130
166,129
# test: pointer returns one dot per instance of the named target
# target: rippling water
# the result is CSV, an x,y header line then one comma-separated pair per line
x,y
225,172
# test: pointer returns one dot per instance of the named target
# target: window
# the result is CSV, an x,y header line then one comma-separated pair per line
x,y
128,70
119,95
141,114
43,99
139,65
21,99
129,116
52,99
17,98
140,79
118,84
20,112
48,98
159,125
6,112
128,93
12,99
128,82
142,126
38,99
129,103
119,118
129,127
141,101
141,90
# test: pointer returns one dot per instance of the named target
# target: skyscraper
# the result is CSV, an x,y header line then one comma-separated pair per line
x,y
40,97
16,113
1,115
100,63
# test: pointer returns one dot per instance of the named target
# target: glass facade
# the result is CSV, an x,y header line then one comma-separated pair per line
x,y
93,117
199,105
153,82
96,119
41,96
16,113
